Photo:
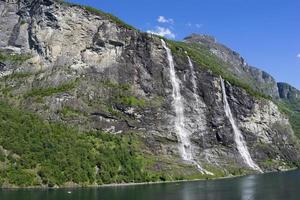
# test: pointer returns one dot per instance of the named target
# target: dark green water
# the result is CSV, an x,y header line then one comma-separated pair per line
x,y
281,186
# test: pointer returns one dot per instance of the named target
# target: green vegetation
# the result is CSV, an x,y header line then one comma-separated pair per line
x,y
53,154
6,91
44,92
116,86
18,75
271,163
95,11
123,94
14,58
43,153
206,59
292,110
131,101
22,22
170,170
68,111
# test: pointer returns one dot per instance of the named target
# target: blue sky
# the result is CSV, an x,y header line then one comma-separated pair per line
x,y
265,32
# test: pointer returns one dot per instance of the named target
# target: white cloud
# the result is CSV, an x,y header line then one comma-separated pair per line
x,y
162,19
298,55
162,31
199,25
191,25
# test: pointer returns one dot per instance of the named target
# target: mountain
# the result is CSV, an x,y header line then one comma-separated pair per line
x,y
258,79
87,99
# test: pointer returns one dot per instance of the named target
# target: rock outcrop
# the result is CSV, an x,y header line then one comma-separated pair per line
x,y
288,92
88,70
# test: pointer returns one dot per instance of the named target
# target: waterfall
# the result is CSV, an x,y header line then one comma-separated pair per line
x,y
193,81
197,106
238,137
185,145
182,133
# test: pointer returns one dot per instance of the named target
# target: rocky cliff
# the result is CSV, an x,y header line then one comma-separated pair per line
x,y
86,69
288,92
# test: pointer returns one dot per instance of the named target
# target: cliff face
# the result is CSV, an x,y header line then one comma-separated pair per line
x,y
288,92
290,100
70,64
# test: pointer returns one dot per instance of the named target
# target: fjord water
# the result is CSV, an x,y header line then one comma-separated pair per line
x,y
238,137
273,186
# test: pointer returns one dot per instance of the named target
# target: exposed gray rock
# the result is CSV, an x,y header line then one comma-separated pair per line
x,y
288,92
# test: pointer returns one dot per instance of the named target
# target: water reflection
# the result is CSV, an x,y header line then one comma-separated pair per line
x,y
247,188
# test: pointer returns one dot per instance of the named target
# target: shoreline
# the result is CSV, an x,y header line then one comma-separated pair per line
x,y
112,185
181,181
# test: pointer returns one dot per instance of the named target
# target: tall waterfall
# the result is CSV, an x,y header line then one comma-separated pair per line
x,y
185,144
238,137
197,105
183,134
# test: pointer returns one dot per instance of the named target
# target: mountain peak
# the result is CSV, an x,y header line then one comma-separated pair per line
x,y
201,38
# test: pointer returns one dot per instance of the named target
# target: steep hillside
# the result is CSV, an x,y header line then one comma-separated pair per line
x,y
286,96
237,65
133,106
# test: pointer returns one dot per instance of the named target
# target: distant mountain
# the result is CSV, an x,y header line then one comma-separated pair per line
x,y
288,92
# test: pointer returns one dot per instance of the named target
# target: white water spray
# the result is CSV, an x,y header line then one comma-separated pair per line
x,y
197,103
183,134
238,137
193,81
185,146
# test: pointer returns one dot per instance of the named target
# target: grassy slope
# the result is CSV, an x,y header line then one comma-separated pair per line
x,y
207,60
100,13
292,110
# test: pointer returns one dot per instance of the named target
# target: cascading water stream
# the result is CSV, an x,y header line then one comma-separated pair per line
x,y
179,109
197,105
193,80
183,134
238,137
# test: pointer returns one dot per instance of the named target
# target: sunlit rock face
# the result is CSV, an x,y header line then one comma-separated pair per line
x,y
106,76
